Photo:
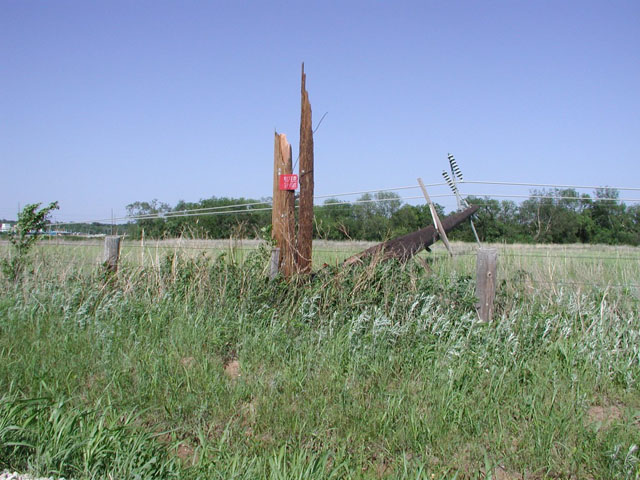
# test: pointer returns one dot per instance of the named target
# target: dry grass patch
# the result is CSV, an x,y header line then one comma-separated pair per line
x,y
232,369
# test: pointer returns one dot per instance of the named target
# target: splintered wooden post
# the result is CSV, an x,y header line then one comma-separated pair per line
x,y
486,268
111,252
283,213
305,224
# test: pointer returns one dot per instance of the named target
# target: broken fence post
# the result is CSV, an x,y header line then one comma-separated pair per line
x,y
275,263
111,252
486,268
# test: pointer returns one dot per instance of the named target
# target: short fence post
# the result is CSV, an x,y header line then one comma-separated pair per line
x,y
111,252
486,268
275,261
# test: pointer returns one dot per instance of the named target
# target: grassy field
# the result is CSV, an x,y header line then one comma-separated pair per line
x,y
189,363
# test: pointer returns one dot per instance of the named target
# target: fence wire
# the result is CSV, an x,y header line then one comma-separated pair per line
x,y
134,252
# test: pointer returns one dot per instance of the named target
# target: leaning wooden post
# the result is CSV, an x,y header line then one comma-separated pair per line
x,y
283,212
436,219
111,252
486,268
305,223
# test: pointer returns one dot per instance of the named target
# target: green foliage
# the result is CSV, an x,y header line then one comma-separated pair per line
x,y
380,370
548,216
24,236
53,437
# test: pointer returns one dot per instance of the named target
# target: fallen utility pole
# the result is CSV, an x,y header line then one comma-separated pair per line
x,y
406,246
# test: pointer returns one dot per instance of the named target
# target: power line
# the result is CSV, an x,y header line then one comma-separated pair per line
x,y
548,185
219,207
206,212
182,213
214,210
551,197
408,187
179,213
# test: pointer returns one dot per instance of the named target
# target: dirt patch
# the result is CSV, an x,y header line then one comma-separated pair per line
x,y
186,453
249,410
383,469
604,415
187,362
232,369
502,474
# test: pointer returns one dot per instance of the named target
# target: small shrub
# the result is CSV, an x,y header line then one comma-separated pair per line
x,y
25,235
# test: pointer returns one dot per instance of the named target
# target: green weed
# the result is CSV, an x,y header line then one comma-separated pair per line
x,y
200,367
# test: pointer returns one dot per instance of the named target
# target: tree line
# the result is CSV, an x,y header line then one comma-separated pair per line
x,y
547,216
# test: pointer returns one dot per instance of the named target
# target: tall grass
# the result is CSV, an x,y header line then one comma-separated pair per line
x,y
378,371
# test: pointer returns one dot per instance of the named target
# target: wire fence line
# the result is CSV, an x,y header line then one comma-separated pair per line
x,y
245,208
586,284
151,244
534,265
598,285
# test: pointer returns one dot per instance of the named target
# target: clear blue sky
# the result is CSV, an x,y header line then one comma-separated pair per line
x,y
103,103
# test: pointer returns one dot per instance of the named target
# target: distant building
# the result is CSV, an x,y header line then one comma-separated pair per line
x,y
6,228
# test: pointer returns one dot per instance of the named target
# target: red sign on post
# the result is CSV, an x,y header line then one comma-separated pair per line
x,y
289,181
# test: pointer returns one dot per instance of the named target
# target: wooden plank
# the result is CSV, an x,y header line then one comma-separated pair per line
x,y
486,269
305,222
283,213
436,219
406,246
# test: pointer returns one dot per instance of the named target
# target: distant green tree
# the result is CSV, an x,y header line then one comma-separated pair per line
x,y
495,221
608,216
548,216
145,215
405,220
410,218
553,216
373,214
335,220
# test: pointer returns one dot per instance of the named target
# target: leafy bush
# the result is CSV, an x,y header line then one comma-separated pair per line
x,y
31,222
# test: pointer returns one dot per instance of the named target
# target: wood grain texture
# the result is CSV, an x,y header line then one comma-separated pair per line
x,y
111,252
486,270
305,222
283,213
